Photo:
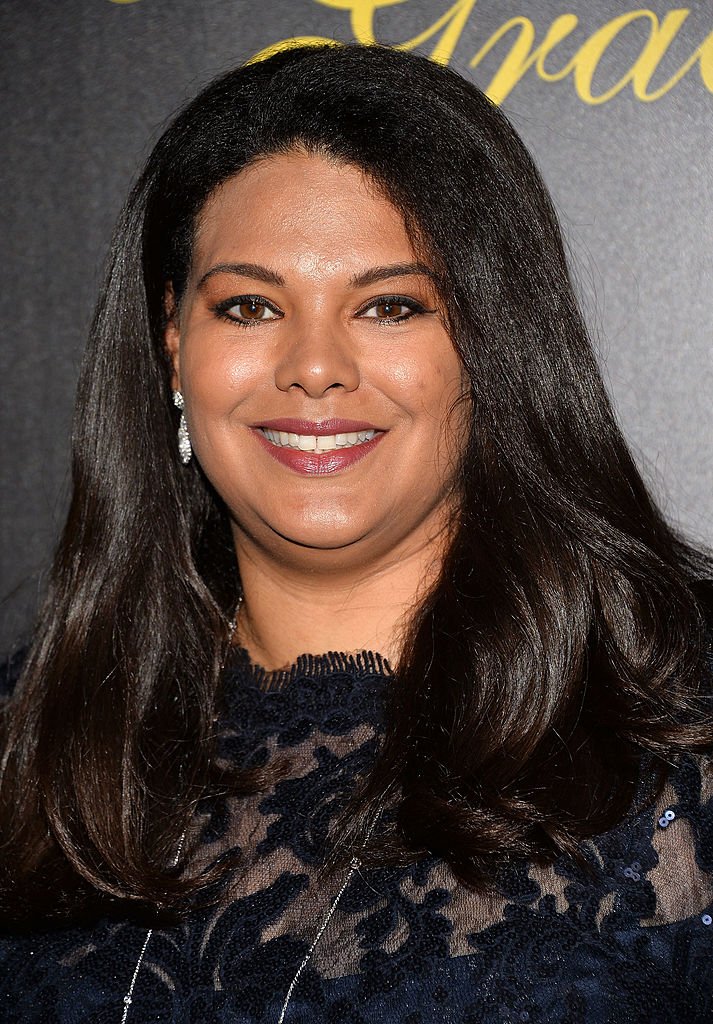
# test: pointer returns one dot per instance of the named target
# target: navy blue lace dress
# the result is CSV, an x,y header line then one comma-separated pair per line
x,y
630,944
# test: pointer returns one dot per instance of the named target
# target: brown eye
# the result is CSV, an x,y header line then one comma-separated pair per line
x,y
252,310
392,309
385,310
247,309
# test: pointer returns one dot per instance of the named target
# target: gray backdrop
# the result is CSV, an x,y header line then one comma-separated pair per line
x,y
87,85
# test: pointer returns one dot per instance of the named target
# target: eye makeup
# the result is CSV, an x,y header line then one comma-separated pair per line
x,y
254,304
414,307
253,307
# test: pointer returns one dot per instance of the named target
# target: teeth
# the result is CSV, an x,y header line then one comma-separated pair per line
x,y
312,443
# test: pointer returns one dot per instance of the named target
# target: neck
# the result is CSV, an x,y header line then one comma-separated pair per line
x,y
288,611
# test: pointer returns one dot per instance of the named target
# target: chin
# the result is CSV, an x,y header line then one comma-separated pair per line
x,y
326,539
302,533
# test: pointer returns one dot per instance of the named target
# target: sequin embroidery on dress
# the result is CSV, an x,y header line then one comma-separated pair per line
x,y
628,942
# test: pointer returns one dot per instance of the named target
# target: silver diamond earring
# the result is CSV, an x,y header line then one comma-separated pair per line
x,y
184,442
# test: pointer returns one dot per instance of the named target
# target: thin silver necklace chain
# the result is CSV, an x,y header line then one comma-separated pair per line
x,y
354,866
129,997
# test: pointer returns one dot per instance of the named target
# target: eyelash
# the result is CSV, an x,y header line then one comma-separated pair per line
x,y
222,309
416,308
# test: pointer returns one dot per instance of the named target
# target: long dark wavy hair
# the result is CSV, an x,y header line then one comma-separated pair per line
x,y
565,640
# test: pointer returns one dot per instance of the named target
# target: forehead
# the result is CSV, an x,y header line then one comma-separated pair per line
x,y
301,209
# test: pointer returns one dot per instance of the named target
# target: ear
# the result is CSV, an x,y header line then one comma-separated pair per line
x,y
172,335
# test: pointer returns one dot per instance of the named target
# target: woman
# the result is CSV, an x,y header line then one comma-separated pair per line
x,y
489,800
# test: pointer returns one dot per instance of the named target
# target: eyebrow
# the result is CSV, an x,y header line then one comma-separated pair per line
x,y
375,274
253,270
366,277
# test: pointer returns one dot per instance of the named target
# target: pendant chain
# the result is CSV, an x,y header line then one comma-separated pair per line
x,y
353,867
129,997
356,863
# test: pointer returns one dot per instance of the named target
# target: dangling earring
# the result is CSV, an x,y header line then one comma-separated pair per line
x,y
184,442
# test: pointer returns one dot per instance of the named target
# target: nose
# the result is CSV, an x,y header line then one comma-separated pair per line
x,y
317,358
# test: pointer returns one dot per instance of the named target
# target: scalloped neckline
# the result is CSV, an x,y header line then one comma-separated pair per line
x,y
312,666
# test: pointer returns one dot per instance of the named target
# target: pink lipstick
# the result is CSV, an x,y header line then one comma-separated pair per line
x,y
317,448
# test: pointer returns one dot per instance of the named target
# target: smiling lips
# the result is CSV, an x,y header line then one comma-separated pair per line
x,y
317,448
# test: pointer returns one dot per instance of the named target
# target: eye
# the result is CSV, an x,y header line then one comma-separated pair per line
x,y
247,309
392,309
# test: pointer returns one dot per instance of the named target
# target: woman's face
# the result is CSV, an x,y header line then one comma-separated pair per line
x,y
321,387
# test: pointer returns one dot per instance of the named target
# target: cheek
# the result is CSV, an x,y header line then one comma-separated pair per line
x,y
218,373
418,384
450,411
437,391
